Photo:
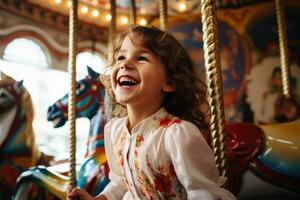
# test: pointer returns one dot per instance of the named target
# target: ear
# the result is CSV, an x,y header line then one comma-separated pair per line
x,y
92,73
20,83
169,86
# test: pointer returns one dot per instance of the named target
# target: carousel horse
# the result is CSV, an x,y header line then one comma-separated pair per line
x,y
277,165
18,150
93,174
280,159
90,94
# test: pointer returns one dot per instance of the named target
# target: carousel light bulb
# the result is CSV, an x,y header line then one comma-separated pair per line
x,y
143,22
108,17
143,11
107,5
84,9
182,7
69,3
57,1
124,20
95,13
95,2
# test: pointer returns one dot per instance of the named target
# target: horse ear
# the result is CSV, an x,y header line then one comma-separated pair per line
x,y
92,73
20,83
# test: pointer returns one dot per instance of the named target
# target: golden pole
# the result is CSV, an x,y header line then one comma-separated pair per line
x,y
112,29
163,14
133,12
283,44
214,83
72,92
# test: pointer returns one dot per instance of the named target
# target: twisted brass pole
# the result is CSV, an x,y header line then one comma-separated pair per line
x,y
163,14
72,92
214,83
112,29
284,57
132,12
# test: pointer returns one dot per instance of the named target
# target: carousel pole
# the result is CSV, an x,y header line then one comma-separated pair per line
x,y
163,14
214,83
284,57
132,12
72,92
112,30
109,101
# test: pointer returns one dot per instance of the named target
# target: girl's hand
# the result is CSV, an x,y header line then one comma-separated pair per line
x,y
80,194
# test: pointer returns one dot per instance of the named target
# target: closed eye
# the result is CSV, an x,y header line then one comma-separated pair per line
x,y
143,58
120,58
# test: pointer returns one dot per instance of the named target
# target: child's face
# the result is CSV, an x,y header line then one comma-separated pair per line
x,y
138,77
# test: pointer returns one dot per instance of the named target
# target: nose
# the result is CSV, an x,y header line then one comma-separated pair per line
x,y
126,65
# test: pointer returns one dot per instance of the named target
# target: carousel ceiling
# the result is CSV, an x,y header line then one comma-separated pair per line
x,y
97,11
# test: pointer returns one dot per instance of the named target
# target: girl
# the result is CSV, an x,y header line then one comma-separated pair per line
x,y
157,151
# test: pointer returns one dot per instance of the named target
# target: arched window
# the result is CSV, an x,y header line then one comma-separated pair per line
x,y
24,59
25,51
90,59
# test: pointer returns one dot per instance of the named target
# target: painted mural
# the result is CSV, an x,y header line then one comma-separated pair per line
x,y
265,86
265,93
248,43
235,61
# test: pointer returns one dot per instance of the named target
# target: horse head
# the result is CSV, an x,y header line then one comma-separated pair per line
x,y
9,91
89,95
10,100
18,149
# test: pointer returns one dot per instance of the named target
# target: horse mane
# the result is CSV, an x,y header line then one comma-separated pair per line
x,y
29,132
4,78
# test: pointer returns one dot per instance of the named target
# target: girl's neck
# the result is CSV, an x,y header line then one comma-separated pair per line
x,y
136,115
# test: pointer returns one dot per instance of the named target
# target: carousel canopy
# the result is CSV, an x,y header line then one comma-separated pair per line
x,y
97,11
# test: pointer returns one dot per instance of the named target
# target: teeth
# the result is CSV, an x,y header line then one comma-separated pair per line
x,y
127,80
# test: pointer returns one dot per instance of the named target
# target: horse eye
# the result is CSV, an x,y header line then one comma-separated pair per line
x,y
81,87
2,94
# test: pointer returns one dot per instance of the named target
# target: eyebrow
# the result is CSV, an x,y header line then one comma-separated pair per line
x,y
138,51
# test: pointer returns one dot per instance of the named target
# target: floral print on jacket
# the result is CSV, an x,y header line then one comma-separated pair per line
x,y
162,158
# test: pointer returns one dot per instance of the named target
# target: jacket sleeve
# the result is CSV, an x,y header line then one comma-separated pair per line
x,y
116,189
194,164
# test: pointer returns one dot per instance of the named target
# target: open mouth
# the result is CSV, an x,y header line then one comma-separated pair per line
x,y
127,81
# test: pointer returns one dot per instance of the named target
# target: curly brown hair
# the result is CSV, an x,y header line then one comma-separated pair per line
x,y
190,94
